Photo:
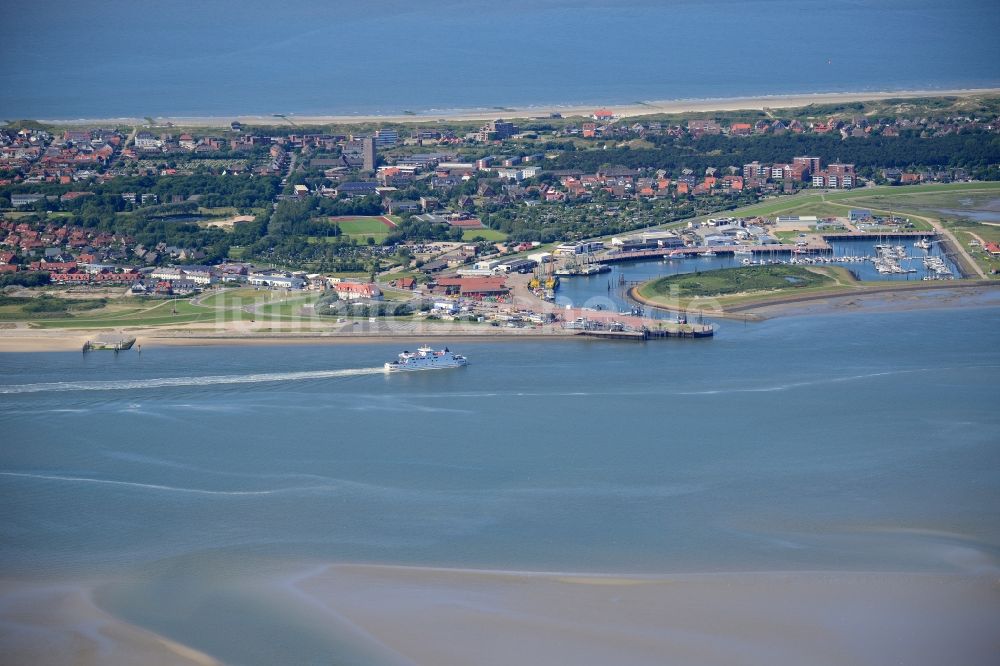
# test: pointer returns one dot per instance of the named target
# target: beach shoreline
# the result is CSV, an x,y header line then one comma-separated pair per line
x,y
623,110
894,298
63,340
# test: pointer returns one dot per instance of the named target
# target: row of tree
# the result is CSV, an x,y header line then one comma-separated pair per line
x,y
975,151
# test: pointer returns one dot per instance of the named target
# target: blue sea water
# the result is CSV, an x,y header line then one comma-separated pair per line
x,y
801,443
122,58
196,479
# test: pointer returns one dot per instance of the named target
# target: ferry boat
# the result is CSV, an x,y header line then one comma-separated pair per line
x,y
426,358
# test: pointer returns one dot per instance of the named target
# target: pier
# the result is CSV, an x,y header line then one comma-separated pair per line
x,y
109,342
621,326
648,334
876,235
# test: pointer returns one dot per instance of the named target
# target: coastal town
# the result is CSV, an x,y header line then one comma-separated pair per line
x,y
505,333
477,224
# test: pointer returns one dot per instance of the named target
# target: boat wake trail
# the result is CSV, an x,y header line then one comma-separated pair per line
x,y
131,484
817,382
138,384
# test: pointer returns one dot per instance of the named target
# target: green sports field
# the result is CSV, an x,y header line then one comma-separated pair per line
x,y
362,227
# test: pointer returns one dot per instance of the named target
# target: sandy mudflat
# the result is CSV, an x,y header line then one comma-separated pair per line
x,y
622,110
57,623
900,297
441,617
903,300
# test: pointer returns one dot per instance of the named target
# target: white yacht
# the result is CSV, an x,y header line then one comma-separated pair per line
x,y
426,358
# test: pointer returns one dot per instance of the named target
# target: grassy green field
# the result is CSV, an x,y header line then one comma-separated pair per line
x,y
290,307
484,234
968,232
938,204
164,313
47,307
222,307
986,232
238,297
735,280
362,226
884,198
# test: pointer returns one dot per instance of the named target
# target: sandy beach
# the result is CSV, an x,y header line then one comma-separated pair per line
x,y
626,110
439,617
194,335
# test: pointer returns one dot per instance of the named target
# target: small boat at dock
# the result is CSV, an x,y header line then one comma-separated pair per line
x,y
114,343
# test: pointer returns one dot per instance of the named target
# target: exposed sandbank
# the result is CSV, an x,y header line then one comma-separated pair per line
x,y
440,616
630,109
412,615
58,623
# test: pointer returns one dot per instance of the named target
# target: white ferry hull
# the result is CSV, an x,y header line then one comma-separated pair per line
x,y
392,367
426,359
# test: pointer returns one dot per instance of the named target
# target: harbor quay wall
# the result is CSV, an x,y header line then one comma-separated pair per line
x,y
957,257
866,235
